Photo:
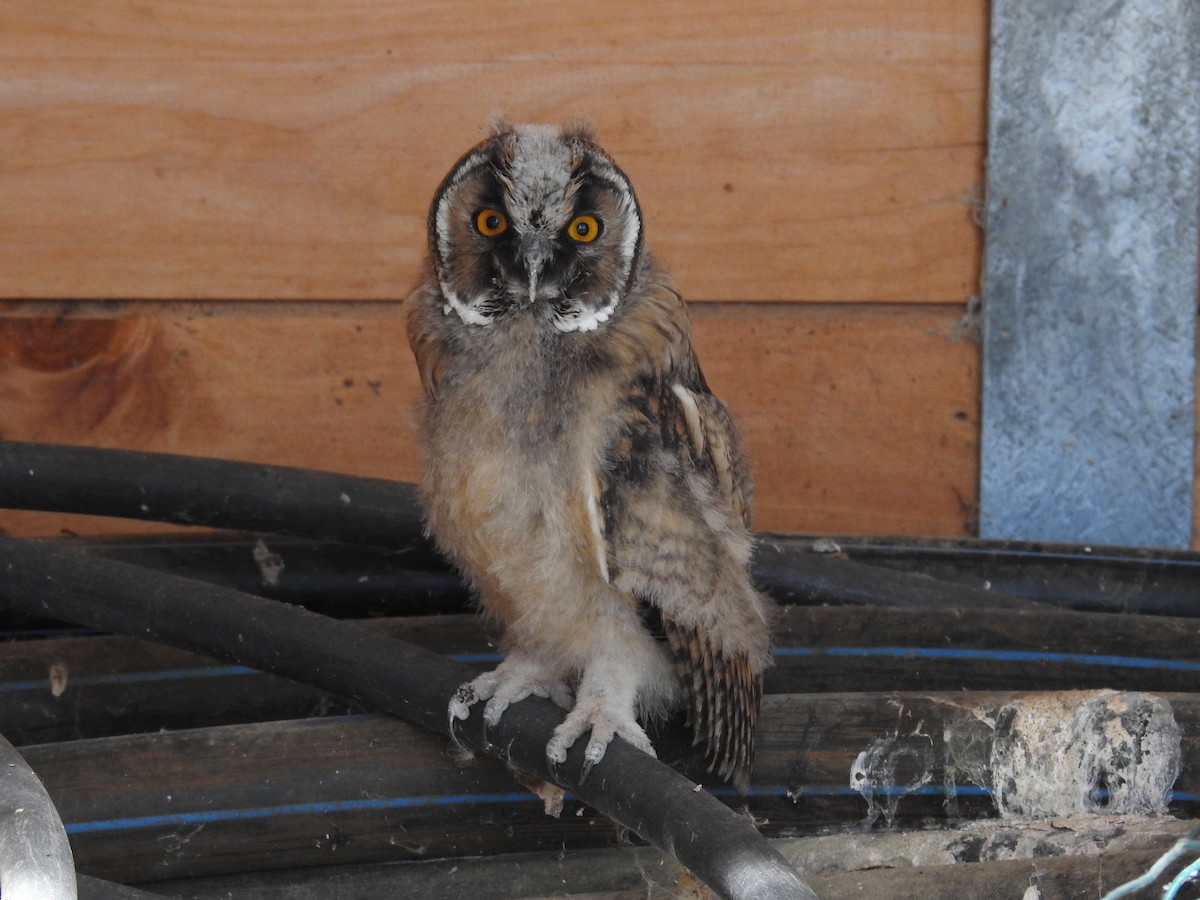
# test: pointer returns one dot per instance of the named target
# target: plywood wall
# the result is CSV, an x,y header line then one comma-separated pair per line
x,y
209,212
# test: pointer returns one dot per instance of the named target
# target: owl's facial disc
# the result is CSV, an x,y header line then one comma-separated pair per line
x,y
536,220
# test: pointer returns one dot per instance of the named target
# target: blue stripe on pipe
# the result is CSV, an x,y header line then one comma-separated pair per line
x,y
131,677
1011,656
206,817
181,674
293,809
946,653
477,657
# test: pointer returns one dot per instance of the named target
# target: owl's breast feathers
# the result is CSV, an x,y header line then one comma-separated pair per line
x,y
667,492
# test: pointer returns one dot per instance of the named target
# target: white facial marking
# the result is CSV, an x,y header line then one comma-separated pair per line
x,y
466,311
578,320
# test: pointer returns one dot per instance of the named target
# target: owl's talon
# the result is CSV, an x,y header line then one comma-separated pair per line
x,y
510,682
513,687
466,693
556,752
605,724
459,708
493,711
462,701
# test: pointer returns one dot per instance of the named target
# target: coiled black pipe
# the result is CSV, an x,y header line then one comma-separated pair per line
x,y
722,849
191,490
253,497
213,493
1081,577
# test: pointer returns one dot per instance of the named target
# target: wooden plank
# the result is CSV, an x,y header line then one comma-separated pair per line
x,y
764,30
1091,278
857,419
192,151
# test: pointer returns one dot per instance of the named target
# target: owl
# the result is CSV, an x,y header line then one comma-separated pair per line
x,y
576,467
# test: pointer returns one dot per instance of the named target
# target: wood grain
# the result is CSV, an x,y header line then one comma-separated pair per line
x,y
776,31
820,152
858,420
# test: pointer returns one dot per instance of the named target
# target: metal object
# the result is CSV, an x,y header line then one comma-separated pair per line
x,y
35,856
1185,845
1090,272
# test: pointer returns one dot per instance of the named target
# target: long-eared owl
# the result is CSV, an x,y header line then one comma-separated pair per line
x,y
577,469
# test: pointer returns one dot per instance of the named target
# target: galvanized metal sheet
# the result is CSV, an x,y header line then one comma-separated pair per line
x,y
1090,272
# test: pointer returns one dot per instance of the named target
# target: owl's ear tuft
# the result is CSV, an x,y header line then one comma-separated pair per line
x,y
579,128
499,125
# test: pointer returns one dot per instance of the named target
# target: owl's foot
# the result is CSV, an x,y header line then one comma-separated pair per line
x,y
516,678
596,710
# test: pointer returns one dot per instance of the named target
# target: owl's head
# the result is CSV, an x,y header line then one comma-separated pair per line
x,y
535,220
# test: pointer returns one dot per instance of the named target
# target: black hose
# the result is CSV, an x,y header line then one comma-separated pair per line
x,y
98,889
798,577
1080,577
354,580
341,580
252,497
190,490
639,792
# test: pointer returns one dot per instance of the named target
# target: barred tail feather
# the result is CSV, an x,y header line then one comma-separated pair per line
x,y
724,693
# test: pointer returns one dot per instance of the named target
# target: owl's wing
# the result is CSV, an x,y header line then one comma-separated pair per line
x,y
429,352
712,442
675,493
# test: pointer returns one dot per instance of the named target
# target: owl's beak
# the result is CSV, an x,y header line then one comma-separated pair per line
x,y
536,252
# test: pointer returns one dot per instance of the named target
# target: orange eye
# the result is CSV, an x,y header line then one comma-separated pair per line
x,y
584,229
490,222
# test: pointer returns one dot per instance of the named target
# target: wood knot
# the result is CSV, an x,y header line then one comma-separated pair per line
x,y
64,344
70,376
